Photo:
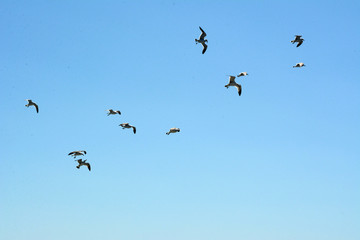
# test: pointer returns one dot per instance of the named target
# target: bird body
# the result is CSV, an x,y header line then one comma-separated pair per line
x,y
233,83
298,39
112,112
299,65
202,40
31,103
77,153
173,130
242,74
127,125
83,163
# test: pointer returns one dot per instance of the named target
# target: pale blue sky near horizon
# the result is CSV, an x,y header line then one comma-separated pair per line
x,y
280,162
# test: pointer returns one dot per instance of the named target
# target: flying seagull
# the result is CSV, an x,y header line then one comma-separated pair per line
x,y
202,40
127,125
83,163
233,83
112,112
31,103
242,74
298,39
299,65
173,130
77,153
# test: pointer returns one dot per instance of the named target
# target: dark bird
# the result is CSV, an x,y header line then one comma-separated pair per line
x,y
202,40
298,39
242,74
299,65
233,83
127,125
77,153
173,130
83,163
112,112
31,103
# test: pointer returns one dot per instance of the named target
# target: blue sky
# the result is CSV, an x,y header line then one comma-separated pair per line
x,y
280,162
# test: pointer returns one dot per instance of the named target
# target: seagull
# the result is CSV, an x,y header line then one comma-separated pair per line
x,y
173,130
77,153
202,40
233,83
83,163
298,39
127,125
299,65
31,103
242,74
112,112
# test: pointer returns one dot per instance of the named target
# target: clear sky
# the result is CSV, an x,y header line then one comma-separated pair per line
x,y
280,162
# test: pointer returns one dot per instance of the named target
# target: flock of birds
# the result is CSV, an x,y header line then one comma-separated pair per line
x,y
298,39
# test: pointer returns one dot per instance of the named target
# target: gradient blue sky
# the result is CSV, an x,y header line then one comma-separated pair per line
x,y
281,162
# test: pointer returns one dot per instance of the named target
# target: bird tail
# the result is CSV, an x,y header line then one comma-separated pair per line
x,y
77,166
167,133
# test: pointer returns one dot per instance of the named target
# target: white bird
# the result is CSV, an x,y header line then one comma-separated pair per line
x,y
242,74
83,163
298,39
31,103
77,153
299,65
233,83
112,112
202,40
173,130
127,125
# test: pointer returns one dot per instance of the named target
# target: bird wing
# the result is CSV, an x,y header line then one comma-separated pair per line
x,y
300,42
297,37
134,129
238,86
71,153
83,151
118,112
203,34
88,165
37,107
231,79
205,47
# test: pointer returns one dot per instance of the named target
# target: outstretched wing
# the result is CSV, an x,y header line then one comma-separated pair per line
x,y
204,47
88,165
300,42
231,79
203,34
37,107
134,129
239,89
